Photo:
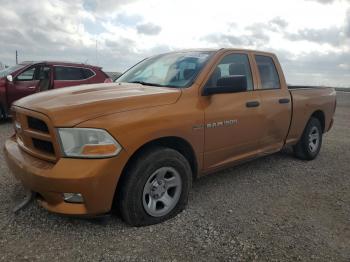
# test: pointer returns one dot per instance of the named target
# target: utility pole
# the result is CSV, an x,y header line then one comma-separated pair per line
x,y
96,54
16,57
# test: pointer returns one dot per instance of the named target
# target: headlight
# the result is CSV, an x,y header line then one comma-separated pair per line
x,y
88,143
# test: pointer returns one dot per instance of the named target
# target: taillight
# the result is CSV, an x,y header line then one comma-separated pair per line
x,y
108,80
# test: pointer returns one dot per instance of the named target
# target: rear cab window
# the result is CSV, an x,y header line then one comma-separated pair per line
x,y
268,72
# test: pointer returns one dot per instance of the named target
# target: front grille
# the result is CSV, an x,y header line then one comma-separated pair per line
x,y
37,124
35,135
43,146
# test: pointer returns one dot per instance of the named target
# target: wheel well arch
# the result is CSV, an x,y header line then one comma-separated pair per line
x,y
176,143
321,117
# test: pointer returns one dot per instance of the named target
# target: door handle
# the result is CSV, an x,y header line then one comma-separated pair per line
x,y
284,100
252,104
31,87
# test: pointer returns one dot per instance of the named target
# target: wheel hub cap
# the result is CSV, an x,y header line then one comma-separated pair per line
x,y
162,191
314,139
158,189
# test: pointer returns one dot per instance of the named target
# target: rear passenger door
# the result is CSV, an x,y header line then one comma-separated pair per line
x,y
45,77
275,103
71,76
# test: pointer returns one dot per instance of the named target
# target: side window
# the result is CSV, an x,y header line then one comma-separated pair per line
x,y
268,72
232,65
43,72
88,73
27,75
68,73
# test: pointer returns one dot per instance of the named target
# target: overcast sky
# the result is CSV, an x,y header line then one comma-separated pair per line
x,y
311,37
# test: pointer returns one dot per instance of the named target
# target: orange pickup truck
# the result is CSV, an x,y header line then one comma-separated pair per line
x,y
138,143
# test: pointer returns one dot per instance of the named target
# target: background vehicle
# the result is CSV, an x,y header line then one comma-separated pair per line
x,y
114,75
31,77
138,143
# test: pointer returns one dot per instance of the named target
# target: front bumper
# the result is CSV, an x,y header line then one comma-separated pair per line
x,y
95,179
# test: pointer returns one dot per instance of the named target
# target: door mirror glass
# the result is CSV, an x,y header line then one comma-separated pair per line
x,y
228,84
9,78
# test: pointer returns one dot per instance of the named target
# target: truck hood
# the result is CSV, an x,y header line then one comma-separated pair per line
x,y
70,106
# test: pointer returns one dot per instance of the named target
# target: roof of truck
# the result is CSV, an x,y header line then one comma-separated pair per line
x,y
220,49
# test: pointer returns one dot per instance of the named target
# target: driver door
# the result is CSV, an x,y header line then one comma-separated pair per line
x,y
233,121
23,85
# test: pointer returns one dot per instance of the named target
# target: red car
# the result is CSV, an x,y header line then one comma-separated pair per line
x,y
31,77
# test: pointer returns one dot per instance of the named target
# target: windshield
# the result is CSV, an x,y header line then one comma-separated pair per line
x,y
10,70
168,70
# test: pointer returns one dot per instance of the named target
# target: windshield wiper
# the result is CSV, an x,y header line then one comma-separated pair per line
x,y
145,83
151,84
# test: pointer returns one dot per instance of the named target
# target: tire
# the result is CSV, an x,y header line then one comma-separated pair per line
x,y
310,142
155,188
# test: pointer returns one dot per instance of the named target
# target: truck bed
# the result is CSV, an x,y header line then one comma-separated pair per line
x,y
309,100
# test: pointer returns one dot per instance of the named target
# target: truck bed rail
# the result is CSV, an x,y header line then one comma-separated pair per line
x,y
305,87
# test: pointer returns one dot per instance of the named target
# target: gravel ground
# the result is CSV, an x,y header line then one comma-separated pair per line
x,y
275,208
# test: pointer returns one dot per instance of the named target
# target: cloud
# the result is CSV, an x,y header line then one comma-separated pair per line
x,y
223,39
298,30
347,24
127,19
104,6
148,29
258,35
334,35
122,45
254,36
323,1
278,24
331,69
330,36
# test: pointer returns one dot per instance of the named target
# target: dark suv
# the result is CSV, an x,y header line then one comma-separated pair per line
x,y
31,77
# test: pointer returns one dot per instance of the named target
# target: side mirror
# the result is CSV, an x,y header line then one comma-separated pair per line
x,y
9,78
228,84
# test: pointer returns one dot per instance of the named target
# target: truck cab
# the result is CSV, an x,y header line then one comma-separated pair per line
x,y
261,112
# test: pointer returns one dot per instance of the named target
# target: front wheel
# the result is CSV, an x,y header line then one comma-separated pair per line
x,y
310,142
155,188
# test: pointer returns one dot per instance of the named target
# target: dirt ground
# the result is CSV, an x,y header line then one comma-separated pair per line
x,y
276,208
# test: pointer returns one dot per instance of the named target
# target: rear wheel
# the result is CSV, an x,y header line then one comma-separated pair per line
x,y
310,142
156,187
